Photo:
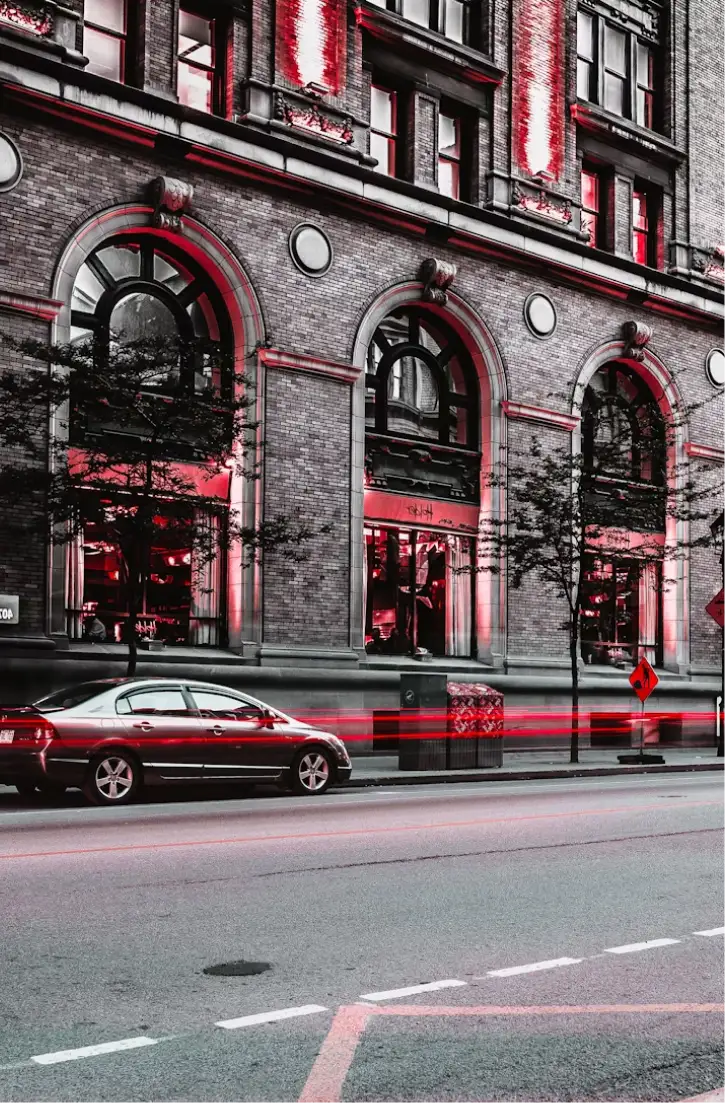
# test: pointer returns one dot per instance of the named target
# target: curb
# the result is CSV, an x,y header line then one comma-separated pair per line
x,y
524,775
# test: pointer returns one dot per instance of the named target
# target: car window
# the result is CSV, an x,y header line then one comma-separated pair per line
x,y
72,696
153,702
224,706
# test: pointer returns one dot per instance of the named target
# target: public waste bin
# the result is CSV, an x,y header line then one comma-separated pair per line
x,y
422,724
475,726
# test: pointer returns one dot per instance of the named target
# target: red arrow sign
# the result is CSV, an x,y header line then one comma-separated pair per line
x,y
643,680
715,608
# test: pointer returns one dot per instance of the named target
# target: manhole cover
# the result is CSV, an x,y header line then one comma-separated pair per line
x,y
237,969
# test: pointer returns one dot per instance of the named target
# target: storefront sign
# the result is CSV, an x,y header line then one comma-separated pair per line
x,y
420,513
9,609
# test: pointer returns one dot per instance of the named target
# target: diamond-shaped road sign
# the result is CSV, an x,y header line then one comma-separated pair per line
x,y
715,608
643,680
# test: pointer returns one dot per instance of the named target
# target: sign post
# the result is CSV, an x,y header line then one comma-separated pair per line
x,y
715,609
643,681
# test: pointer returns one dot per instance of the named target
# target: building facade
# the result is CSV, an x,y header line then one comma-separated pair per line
x,y
430,231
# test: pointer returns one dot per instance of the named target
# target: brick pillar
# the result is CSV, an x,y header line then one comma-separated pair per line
x,y
622,216
421,164
480,158
665,230
157,30
237,65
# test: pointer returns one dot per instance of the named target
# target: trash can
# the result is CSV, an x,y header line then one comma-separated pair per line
x,y
475,726
422,727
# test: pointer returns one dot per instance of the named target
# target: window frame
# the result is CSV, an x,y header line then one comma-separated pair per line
x,y
449,111
391,138
598,239
631,79
189,711
652,215
122,37
437,14
218,34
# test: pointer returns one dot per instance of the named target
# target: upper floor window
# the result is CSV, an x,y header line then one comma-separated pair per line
x,y
384,129
104,37
591,216
645,225
446,17
420,382
198,84
615,68
449,155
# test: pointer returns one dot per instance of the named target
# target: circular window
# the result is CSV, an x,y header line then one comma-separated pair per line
x,y
310,249
540,316
715,367
11,165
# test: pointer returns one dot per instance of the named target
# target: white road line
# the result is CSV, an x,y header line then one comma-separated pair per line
x,y
92,1051
536,967
396,993
708,934
634,947
270,1016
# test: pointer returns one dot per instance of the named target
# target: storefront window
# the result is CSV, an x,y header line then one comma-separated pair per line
x,y
621,612
419,592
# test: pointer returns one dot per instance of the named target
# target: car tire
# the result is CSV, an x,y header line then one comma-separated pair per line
x,y
26,788
113,778
312,772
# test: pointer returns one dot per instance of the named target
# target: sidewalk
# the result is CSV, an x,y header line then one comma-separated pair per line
x,y
368,770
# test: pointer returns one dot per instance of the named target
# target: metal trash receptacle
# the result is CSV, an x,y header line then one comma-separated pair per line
x,y
422,722
475,726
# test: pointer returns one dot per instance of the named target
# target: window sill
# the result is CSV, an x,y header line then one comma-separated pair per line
x,y
623,132
447,55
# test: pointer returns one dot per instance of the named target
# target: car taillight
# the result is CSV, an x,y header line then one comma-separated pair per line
x,y
34,731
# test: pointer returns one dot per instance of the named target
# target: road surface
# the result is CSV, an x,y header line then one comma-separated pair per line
x,y
545,940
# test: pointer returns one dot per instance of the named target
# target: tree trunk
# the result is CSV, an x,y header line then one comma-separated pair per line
x,y
574,657
134,585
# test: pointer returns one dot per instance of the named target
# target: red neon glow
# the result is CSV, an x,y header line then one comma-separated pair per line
x,y
539,91
311,43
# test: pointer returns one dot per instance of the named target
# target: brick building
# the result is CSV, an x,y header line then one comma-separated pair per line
x,y
414,221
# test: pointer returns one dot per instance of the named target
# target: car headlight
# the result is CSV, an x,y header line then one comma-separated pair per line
x,y
340,747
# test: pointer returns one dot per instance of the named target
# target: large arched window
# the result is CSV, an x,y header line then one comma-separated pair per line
x,y
623,429
420,382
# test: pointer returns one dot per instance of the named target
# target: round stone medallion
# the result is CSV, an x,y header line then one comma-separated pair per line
x,y
310,249
11,164
715,367
540,315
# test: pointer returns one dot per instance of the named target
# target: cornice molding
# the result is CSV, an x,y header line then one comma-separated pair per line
x,y
704,452
314,365
37,305
517,411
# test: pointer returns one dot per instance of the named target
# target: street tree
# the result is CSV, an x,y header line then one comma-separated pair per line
x,y
128,435
622,501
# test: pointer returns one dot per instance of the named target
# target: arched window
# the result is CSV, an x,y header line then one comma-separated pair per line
x,y
623,429
420,382
136,287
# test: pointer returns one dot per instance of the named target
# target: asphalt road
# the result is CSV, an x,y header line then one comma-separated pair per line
x,y
549,940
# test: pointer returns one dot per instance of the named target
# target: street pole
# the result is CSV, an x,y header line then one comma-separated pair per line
x,y
641,733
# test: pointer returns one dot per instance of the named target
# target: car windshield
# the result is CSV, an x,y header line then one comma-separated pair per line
x,y
70,697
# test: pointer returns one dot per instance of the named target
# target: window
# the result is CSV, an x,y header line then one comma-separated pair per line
x,y
420,383
153,702
621,618
104,37
591,216
446,17
197,84
224,706
383,129
616,67
623,431
645,224
449,156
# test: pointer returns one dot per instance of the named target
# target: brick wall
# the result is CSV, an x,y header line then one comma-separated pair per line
x,y
707,123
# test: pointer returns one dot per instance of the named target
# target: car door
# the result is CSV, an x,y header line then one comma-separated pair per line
x,y
165,730
240,741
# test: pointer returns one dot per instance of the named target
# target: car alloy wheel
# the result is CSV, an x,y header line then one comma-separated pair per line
x,y
312,772
112,779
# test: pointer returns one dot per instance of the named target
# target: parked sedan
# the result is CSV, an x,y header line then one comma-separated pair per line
x,y
110,737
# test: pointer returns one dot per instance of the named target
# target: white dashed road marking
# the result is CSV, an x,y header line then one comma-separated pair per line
x,y
635,947
93,1051
271,1016
708,934
536,967
396,993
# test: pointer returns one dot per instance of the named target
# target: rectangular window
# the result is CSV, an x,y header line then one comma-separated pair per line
x,y
383,129
104,38
446,17
642,228
616,69
592,207
197,60
449,156
621,618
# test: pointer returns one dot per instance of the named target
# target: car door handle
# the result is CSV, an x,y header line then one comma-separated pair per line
x,y
144,726
216,730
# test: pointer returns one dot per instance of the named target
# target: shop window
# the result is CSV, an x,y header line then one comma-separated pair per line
x,y
418,592
384,130
592,203
616,67
420,382
104,38
446,17
199,83
621,616
449,155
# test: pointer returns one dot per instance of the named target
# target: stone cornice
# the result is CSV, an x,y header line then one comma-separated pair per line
x,y
37,305
704,452
315,365
517,411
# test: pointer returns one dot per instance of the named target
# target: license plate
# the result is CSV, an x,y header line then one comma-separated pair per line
x,y
6,735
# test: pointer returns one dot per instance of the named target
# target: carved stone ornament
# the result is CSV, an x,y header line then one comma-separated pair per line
x,y
541,203
636,335
170,199
28,16
309,117
436,277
